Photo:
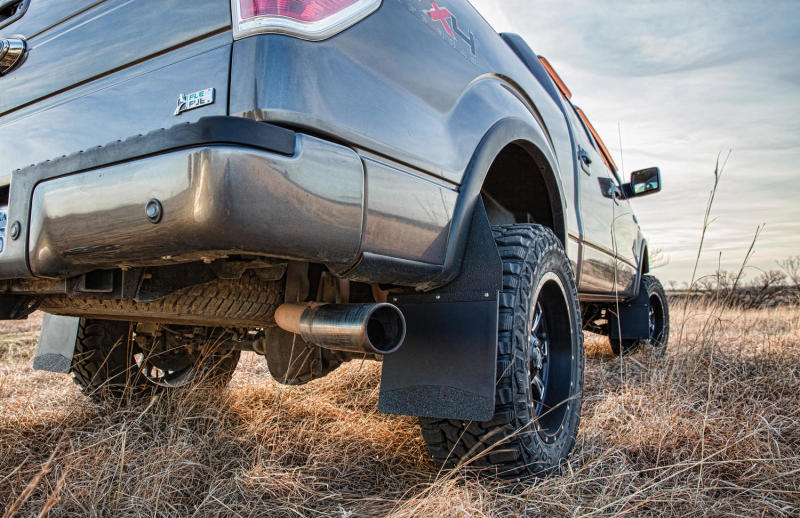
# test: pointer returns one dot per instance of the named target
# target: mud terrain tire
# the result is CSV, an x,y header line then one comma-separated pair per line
x,y
529,434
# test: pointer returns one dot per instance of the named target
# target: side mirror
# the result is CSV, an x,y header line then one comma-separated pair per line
x,y
645,181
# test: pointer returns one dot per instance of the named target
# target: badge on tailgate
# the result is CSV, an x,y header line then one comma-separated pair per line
x,y
194,100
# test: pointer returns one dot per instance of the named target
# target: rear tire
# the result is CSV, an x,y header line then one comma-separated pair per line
x,y
658,321
539,366
105,363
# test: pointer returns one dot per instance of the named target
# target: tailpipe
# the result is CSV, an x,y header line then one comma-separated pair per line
x,y
360,328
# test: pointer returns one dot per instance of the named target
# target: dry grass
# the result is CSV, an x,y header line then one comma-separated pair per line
x,y
711,429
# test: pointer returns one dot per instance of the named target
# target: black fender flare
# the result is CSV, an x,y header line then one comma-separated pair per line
x,y
644,253
503,133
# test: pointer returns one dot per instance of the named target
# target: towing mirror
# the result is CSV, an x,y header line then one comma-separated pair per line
x,y
645,181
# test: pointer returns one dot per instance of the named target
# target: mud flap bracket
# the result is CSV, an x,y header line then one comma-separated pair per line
x,y
446,366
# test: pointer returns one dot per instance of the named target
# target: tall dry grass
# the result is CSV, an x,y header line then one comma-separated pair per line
x,y
712,428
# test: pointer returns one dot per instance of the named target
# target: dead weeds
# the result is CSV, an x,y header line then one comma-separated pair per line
x,y
712,428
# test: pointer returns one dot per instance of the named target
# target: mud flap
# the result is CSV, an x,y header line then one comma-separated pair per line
x,y
634,318
446,366
56,343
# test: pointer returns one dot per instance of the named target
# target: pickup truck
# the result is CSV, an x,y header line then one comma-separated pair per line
x,y
317,181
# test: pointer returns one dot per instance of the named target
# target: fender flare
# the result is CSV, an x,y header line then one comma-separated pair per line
x,y
503,133
644,252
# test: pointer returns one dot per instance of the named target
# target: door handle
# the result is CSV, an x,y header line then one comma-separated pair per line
x,y
11,52
585,160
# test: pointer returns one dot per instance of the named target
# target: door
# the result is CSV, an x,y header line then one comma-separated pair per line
x,y
626,233
624,226
597,213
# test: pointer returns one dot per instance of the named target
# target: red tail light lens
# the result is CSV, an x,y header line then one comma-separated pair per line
x,y
301,10
307,19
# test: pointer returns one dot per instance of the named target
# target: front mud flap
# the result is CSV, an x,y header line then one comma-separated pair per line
x,y
446,366
56,343
634,318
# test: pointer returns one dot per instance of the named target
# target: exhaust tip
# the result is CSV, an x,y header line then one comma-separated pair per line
x,y
361,328
385,328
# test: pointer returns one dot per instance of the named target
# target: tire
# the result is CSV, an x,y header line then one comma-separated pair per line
x,y
525,437
245,302
105,364
659,320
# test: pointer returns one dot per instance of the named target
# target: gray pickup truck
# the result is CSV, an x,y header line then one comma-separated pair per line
x,y
317,181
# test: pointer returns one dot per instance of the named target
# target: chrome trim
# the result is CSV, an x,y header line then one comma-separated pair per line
x,y
217,201
312,31
17,15
11,51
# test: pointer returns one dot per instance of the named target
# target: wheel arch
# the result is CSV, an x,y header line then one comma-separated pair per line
x,y
643,266
512,133
521,181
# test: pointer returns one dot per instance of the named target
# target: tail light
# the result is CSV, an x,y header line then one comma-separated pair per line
x,y
306,19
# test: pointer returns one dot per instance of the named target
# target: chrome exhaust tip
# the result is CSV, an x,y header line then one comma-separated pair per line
x,y
361,328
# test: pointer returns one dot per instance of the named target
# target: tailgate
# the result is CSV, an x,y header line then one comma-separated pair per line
x,y
96,72
74,41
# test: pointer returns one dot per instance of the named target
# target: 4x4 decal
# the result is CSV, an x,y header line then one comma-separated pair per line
x,y
443,15
446,24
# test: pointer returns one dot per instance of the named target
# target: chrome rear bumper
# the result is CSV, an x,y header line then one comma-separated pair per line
x,y
214,201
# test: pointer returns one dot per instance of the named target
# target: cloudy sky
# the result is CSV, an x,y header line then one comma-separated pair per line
x,y
686,82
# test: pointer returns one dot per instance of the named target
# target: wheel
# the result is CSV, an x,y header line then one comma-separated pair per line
x,y
539,366
109,363
658,316
245,302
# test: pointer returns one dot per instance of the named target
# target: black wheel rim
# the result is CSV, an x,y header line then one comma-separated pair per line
x,y
550,358
539,352
656,321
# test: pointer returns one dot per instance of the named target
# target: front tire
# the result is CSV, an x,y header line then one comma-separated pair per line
x,y
658,320
109,365
539,366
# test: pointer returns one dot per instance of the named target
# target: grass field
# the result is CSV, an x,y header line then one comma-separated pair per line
x,y
710,429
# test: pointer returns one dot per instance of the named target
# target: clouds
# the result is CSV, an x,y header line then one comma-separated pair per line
x,y
684,82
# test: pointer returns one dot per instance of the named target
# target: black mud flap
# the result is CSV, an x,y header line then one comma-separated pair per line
x,y
634,318
56,343
446,366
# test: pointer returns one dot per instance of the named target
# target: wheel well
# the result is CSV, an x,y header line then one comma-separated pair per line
x,y
645,261
520,188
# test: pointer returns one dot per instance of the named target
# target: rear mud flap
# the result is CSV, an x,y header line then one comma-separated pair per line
x,y
446,366
56,343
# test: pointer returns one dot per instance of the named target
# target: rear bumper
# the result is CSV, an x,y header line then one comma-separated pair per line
x,y
249,189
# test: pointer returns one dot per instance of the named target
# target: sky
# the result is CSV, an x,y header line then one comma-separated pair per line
x,y
683,83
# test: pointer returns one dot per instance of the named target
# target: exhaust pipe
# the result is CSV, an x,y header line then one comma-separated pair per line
x,y
360,328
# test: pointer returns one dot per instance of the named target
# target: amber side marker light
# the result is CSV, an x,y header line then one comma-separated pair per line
x,y
603,149
560,84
